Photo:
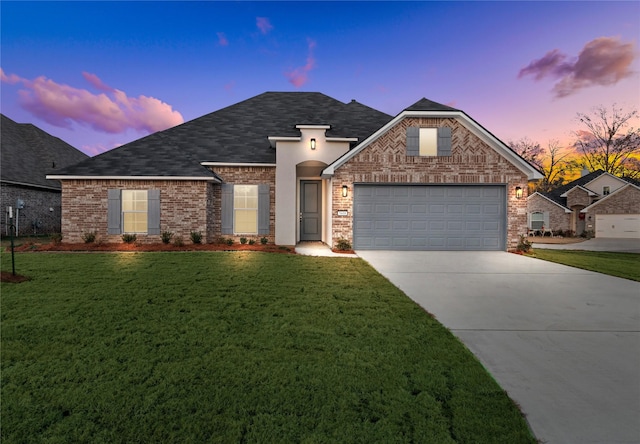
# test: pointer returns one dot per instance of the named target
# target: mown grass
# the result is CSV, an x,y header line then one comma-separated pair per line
x,y
624,265
234,347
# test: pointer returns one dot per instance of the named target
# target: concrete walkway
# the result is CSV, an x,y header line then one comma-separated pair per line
x,y
319,249
563,342
596,244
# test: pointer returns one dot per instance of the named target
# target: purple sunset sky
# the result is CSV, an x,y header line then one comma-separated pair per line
x,y
101,74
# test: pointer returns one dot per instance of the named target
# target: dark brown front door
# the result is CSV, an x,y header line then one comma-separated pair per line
x,y
311,210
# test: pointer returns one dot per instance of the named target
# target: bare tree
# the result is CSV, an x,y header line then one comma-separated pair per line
x,y
609,142
551,162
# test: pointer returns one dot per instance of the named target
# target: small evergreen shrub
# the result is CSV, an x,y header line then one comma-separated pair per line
x,y
166,236
196,237
243,240
264,240
343,244
178,241
252,241
524,245
229,241
56,238
129,238
89,237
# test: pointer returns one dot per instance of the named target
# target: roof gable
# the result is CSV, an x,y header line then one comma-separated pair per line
x,y
610,196
427,108
566,210
29,154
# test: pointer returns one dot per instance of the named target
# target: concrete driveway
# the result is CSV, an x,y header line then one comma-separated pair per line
x,y
563,342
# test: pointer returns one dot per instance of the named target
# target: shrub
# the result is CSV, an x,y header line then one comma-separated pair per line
x,y
589,234
343,244
264,240
178,242
229,241
166,237
252,241
56,238
129,238
524,245
243,240
89,237
196,237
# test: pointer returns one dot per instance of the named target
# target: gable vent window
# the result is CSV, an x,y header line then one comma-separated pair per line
x,y
606,191
428,141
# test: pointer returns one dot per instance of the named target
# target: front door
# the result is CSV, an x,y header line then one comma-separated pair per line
x,y
310,210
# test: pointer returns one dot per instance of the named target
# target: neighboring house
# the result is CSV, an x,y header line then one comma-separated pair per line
x,y
28,155
597,202
299,166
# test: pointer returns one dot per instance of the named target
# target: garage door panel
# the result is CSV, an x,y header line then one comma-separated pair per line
x,y
621,226
436,217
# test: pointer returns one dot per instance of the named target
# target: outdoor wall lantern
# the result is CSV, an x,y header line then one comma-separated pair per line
x,y
518,193
312,143
345,190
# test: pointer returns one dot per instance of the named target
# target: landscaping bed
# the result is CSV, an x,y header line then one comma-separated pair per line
x,y
106,247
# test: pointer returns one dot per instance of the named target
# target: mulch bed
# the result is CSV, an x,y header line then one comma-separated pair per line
x,y
7,276
105,247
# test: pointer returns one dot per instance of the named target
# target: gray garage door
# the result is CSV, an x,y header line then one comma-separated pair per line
x,y
429,217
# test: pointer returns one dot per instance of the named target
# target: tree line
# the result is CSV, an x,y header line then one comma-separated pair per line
x,y
606,140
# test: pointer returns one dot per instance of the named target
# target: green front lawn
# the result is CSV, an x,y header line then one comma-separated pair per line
x,y
624,265
233,347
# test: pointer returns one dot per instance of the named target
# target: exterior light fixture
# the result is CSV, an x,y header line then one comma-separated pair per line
x,y
345,190
518,193
312,144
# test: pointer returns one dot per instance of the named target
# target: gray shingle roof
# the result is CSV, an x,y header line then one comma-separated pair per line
x,y
235,134
555,194
29,154
429,105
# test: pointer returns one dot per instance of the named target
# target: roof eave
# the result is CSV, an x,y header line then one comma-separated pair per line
x,y
180,178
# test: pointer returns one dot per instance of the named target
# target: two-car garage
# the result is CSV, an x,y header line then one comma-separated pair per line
x,y
429,217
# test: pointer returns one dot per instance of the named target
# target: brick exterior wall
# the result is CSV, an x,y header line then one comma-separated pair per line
x,y
578,197
245,176
38,202
471,162
183,207
625,201
558,219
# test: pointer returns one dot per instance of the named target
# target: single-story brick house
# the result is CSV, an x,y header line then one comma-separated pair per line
x,y
299,166
28,155
597,202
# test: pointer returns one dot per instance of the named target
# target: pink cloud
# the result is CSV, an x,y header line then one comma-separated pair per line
x,y
96,82
11,79
299,76
115,112
264,25
603,61
222,39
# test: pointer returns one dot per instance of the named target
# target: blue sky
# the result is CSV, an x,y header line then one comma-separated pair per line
x,y
100,74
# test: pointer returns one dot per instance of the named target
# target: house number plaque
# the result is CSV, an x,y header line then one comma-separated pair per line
x,y
343,212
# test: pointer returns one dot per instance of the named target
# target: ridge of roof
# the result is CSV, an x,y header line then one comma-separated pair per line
x,y
425,104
